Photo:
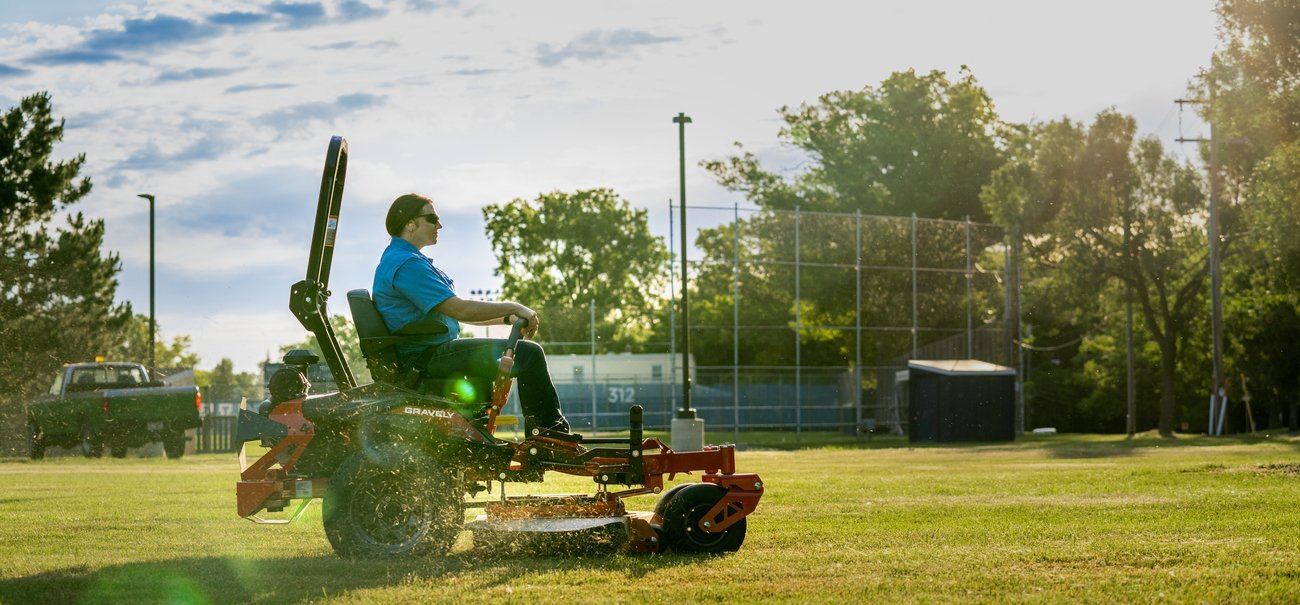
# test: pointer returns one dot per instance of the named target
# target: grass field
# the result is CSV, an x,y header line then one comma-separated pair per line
x,y
1046,519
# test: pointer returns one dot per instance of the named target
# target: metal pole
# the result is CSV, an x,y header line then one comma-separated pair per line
x,y
970,299
672,315
735,320
686,412
153,325
798,336
1216,298
914,312
857,322
1007,314
1020,350
594,428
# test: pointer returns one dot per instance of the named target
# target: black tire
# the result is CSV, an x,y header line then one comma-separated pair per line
x,y
92,445
661,507
174,444
392,501
117,451
35,441
682,516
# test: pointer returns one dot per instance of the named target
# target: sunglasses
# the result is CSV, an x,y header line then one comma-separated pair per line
x,y
432,219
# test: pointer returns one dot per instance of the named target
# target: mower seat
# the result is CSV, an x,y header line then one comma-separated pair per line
x,y
379,348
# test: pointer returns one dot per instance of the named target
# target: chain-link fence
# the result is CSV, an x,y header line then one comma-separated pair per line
x,y
798,320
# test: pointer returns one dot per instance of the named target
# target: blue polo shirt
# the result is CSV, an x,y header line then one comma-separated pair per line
x,y
407,287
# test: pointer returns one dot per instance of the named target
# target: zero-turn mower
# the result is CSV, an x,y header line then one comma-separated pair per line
x,y
395,460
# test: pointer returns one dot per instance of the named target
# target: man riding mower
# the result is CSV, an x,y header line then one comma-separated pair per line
x,y
395,460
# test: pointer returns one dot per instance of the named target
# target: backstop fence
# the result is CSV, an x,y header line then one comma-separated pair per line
x,y
801,320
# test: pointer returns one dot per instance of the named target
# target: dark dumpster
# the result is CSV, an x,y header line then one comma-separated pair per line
x,y
961,400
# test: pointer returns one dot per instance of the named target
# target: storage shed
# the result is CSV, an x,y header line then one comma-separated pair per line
x,y
961,400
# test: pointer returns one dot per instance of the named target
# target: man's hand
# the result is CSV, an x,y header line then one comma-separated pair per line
x,y
534,321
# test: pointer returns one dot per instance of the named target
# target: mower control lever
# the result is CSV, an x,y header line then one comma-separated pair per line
x,y
507,358
516,330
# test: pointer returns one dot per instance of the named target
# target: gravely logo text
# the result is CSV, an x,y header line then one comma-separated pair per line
x,y
427,412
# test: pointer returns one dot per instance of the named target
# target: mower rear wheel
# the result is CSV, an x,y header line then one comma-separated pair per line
x,y
92,445
35,441
392,501
682,517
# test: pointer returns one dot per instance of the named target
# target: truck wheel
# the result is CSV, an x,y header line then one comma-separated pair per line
x,y
35,441
118,451
92,445
682,517
174,444
392,501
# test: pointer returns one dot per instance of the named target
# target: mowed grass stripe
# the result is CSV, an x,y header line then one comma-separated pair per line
x,y
1045,519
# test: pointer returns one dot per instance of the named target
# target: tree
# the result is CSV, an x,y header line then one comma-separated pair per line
x,y
223,384
1099,202
562,251
917,144
1254,82
56,285
134,346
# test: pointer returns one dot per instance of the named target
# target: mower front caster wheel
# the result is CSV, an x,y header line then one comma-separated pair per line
x,y
685,509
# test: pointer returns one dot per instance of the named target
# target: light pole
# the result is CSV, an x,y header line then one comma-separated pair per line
x,y
686,412
152,325
687,428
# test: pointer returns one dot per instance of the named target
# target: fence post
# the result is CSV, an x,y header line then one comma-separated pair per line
x,y
735,320
857,322
798,336
914,301
970,298
672,317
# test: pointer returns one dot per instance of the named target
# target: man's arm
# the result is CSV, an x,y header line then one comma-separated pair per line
x,y
484,313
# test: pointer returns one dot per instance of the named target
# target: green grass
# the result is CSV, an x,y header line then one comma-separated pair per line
x,y
1047,519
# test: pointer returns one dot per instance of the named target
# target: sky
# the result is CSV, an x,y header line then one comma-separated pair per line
x,y
223,109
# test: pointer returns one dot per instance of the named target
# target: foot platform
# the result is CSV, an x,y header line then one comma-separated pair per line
x,y
555,435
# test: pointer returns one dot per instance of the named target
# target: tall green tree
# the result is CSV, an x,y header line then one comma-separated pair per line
x,y
561,251
1099,202
224,384
918,143
57,285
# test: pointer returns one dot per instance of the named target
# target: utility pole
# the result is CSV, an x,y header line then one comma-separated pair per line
x,y
687,430
1218,394
153,326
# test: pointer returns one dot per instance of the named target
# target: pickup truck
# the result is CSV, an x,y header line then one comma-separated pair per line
x,y
90,404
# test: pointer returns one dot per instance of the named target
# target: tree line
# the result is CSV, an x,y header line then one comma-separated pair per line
x,y
1098,220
